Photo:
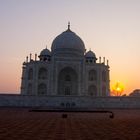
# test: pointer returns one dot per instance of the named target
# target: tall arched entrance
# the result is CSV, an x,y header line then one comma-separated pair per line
x,y
67,82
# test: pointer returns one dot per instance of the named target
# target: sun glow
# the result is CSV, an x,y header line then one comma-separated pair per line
x,y
117,89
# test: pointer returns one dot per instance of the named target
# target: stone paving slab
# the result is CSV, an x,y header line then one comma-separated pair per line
x,y
20,124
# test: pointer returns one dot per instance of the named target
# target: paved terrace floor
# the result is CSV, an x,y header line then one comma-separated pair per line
x,y
20,124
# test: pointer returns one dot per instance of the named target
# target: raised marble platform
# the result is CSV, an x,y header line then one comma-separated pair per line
x,y
14,100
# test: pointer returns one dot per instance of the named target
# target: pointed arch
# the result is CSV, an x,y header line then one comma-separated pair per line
x,y
92,75
30,74
42,73
67,82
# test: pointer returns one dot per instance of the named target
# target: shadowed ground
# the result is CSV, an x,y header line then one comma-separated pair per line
x,y
21,124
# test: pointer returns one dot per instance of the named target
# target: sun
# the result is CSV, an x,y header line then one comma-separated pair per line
x,y
117,89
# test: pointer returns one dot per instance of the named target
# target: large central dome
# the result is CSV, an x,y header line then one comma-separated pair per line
x,y
68,43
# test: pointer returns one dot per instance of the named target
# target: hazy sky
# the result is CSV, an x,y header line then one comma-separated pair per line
x,y
111,28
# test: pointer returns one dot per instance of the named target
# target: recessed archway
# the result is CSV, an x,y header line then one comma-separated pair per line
x,y
42,89
67,82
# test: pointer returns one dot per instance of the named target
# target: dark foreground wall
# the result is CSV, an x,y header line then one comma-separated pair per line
x,y
69,102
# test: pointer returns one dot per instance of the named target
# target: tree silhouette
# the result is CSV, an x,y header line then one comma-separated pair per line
x,y
117,89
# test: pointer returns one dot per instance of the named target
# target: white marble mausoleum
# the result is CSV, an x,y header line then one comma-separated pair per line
x,y
66,70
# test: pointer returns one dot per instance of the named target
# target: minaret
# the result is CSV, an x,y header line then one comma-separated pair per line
x,y
35,57
104,60
27,59
107,62
30,56
99,59
23,78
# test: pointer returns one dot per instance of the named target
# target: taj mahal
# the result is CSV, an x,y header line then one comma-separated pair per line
x,y
66,77
67,70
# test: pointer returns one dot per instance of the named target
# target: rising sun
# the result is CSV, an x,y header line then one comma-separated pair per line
x,y
117,89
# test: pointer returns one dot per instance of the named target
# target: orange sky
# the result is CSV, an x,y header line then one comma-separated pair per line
x,y
110,28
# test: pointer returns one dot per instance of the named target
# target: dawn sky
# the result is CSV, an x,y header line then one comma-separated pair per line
x,y
111,28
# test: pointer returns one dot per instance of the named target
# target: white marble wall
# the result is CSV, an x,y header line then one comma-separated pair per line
x,y
71,101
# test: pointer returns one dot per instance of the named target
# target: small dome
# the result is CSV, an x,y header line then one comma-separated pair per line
x,y
90,54
68,43
45,55
45,52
